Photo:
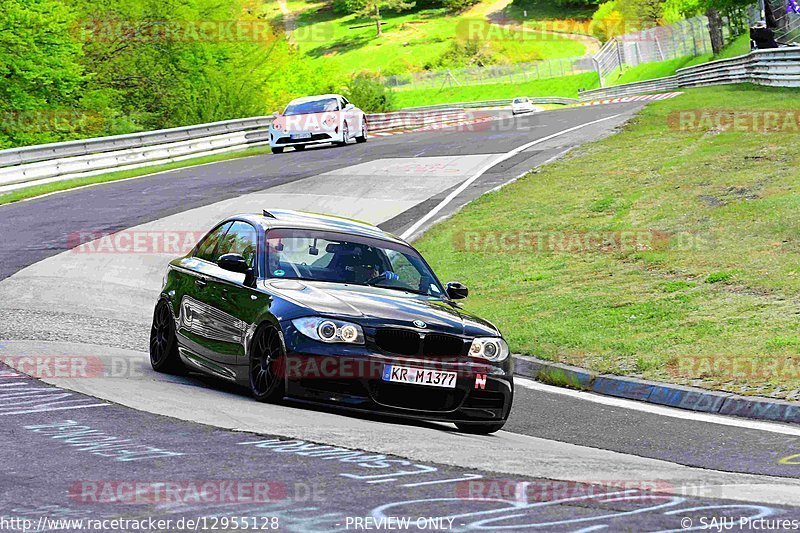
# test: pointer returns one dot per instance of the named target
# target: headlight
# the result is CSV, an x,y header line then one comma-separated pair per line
x,y
491,348
276,126
327,330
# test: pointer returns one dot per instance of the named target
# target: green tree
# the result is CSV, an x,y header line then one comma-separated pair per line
x,y
371,9
714,9
40,71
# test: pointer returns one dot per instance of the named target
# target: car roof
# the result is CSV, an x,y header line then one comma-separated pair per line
x,y
289,219
313,98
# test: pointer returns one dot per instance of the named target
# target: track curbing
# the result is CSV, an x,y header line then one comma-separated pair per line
x,y
654,392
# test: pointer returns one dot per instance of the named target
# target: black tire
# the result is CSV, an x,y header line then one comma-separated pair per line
x,y
277,150
475,428
300,147
345,135
267,363
363,137
163,343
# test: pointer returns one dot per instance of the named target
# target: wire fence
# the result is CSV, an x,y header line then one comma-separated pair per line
x,y
786,17
687,38
513,73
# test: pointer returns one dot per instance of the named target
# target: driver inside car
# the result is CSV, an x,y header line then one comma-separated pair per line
x,y
359,264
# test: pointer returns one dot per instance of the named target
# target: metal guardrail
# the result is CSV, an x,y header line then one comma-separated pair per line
x,y
779,67
497,103
44,152
414,119
29,165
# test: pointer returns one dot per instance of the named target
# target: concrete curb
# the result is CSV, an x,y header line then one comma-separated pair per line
x,y
680,396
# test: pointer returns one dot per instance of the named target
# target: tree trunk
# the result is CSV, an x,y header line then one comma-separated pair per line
x,y
715,30
378,18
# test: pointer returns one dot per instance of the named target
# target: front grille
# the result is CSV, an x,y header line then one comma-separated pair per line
x,y
408,342
399,341
438,345
417,397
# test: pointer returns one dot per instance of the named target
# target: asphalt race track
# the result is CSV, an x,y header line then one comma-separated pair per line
x,y
104,443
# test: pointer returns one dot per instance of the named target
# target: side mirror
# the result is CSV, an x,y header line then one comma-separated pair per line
x,y
348,107
233,263
456,290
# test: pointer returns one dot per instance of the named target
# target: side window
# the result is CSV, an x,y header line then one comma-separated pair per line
x,y
207,246
343,102
241,239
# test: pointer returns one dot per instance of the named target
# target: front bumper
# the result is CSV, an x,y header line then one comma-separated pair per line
x,y
281,138
351,377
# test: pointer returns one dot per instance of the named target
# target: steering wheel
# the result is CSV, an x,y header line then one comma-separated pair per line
x,y
376,279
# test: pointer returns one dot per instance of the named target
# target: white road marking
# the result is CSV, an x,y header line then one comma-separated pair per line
x,y
450,197
671,412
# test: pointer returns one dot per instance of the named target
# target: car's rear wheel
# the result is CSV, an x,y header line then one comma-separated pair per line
x,y
163,343
300,147
480,429
267,361
277,150
363,137
345,135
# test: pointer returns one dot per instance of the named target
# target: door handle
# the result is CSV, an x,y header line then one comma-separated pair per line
x,y
200,282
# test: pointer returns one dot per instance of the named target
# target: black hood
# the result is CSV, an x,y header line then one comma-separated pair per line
x,y
376,306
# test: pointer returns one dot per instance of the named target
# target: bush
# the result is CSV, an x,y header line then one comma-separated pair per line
x,y
456,6
469,53
368,92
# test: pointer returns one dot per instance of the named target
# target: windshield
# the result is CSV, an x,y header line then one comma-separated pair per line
x,y
520,100
314,106
340,258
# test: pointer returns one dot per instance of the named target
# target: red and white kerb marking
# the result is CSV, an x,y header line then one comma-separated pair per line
x,y
639,98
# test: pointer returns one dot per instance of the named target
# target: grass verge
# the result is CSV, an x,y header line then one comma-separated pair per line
x,y
704,287
39,190
567,86
415,40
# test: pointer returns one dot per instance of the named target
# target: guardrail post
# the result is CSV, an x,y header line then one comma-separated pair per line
x,y
599,72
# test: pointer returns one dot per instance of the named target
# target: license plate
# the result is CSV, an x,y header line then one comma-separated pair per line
x,y
301,135
419,376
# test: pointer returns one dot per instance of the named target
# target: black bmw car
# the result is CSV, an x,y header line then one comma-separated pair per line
x,y
328,310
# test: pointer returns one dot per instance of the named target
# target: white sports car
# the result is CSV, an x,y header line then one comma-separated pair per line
x,y
328,118
522,105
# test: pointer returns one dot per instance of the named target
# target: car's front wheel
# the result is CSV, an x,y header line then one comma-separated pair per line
x,y
475,428
267,361
163,343
277,150
345,135
363,137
